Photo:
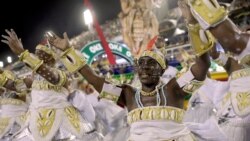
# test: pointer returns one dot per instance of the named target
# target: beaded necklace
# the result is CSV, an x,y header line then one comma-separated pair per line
x,y
158,97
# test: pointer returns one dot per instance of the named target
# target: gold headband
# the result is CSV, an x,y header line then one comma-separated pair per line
x,y
45,49
155,56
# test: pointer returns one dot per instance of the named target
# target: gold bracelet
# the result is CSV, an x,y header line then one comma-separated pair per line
x,y
72,60
5,76
206,14
192,86
198,43
20,85
30,60
108,96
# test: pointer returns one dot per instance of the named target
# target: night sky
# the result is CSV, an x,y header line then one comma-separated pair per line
x,y
31,19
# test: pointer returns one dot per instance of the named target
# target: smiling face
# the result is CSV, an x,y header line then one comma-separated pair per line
x,y
149,70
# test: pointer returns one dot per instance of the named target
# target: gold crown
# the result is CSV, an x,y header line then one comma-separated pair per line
x,y
155,55
45,49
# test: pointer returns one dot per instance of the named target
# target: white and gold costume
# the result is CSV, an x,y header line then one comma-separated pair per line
x,y
84,105
157,122
12,116
51,116
234,110
110,118
200,116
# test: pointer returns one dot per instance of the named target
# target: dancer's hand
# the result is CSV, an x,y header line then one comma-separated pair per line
x,y
60,43
13,42
186,13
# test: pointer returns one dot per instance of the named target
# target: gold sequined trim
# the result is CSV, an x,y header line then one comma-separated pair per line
x,y
155,56
4,122
44,85
63,78
73,117
11,101
45,121
156,113
226,98
240,73
245,61
243,99
108,96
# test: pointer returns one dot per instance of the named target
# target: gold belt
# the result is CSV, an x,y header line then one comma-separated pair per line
x,y
156,113
46,86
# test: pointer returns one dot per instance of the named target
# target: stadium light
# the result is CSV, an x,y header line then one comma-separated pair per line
x,y
9,59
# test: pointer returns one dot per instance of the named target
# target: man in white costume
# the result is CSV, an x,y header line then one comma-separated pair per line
x,y
51,116
155,110
13,104
233,112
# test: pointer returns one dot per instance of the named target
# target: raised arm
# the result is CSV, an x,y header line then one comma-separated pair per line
x,y
53,76
9,81
213,17
74,61
201,42
92,77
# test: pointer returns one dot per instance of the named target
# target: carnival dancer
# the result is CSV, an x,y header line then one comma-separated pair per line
x,y
51,116
13,104
106,115
213,17
155,110
233,110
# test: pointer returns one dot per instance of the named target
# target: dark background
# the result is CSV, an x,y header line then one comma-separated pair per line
x,y
32,18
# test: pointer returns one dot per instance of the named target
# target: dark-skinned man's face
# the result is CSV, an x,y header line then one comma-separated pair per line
x,y
149,71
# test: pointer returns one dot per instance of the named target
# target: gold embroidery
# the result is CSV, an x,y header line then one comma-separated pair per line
x,y
45,121
108,96
243,100
155,56
11,101
156,113
210,15
4,122
23,117
240,74
73,117
226,98
245,61
44,85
